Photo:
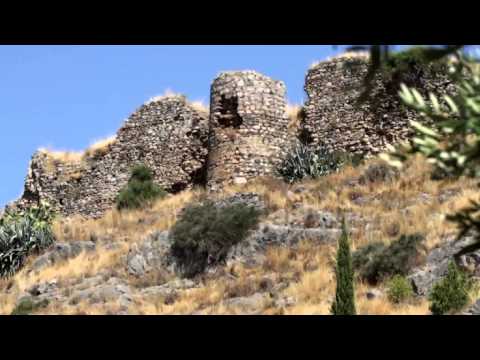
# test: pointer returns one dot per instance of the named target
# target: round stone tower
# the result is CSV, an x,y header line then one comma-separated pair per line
x,y
248,128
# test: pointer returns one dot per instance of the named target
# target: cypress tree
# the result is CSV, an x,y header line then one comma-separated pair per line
x,y
344,303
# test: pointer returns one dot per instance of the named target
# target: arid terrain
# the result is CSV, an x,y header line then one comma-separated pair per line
x,y
114,265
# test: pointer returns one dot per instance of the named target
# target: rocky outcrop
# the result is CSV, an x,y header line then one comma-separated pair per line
x,y
437,262
153,253
61,252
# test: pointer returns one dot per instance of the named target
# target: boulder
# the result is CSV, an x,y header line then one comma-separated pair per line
x,y
437,261
248,305
61,252
152,253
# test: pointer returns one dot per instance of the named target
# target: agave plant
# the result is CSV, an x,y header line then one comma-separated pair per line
x,y
303,162
22,234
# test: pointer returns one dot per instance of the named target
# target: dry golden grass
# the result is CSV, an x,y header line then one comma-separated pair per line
x,y
62,156
125,225
294,113
200,107
408,204
168,93
99,147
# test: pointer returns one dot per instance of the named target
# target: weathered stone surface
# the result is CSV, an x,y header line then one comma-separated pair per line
x,y
61,252
437,262
248,305
252,248
246,135
320,219
374,294
152,253
249,199
168,135
248,128
113,290
333,119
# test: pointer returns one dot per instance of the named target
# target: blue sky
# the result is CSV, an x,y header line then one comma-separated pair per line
x,y
65,97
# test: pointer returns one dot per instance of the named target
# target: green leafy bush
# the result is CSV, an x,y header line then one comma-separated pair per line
x,y
451,293
366,254
344,303
22,234
303,162
377,262
399,289
204,234
140,190
26,306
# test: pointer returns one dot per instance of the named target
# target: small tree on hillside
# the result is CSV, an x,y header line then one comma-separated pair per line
x,y
344,303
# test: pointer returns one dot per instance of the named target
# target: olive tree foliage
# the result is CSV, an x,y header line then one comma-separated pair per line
x,y
382,55
452,142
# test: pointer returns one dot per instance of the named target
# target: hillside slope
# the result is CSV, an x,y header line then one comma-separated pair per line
x,y
116,264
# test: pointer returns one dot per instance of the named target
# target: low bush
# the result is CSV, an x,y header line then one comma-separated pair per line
x,y
140,191
204,234
378,173
26,306
22,234
303,162
376,262
399,289
451,293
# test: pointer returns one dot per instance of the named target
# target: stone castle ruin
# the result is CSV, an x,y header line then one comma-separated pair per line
x,y
248,128
334,118
168,135
245,135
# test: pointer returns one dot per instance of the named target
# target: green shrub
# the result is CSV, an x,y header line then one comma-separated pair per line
x,y
140,190
22,234
26,306
399,289
377,262
303,162
451,293
204,234
344,303
365,255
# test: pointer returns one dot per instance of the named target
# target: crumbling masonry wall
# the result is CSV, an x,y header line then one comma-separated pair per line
x,y
248,128
168,135
333,120
245,136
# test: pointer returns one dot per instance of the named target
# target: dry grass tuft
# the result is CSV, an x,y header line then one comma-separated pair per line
x,y
200,107
99,147
62,156
167,94
294,113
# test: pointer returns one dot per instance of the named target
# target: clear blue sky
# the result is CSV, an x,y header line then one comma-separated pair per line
x,y
65,97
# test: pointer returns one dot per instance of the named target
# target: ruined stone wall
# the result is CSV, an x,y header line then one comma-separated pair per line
x,y
333,120
168,135
248,128
245,136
